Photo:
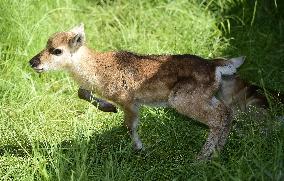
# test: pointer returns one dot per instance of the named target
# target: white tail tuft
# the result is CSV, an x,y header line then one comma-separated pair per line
x,y
230,66
237,62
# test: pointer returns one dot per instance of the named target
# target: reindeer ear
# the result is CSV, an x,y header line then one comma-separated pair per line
x,y
78,29
79,37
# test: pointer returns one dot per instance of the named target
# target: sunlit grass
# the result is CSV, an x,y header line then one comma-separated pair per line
x,y
47,133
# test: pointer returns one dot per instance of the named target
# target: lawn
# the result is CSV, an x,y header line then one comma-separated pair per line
x,y
48,133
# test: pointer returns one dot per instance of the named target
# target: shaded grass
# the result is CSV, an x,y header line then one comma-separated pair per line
x,y
47,133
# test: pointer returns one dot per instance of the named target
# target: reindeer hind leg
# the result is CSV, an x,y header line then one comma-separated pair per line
x,y
195,103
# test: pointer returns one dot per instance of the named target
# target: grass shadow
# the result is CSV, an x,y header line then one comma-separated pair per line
x,y
172,142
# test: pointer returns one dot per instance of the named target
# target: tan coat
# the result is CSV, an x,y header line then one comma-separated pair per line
x,y
187,83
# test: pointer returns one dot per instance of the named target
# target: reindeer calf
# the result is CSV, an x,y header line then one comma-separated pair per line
x,y
186,83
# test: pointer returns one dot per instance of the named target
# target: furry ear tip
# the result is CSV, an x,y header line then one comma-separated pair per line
x,y
78,29
81,26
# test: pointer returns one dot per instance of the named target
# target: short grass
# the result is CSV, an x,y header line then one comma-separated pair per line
x,y
47,133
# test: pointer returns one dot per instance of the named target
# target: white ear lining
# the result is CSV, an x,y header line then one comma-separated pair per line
x,y
79,38
76,42
78,29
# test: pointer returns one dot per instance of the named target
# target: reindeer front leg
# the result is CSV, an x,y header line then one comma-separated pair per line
x,y
99,103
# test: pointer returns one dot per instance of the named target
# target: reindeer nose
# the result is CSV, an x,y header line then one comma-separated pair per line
x,y
35,61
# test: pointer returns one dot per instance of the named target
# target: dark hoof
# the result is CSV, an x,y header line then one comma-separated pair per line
x,y
99,103
107,107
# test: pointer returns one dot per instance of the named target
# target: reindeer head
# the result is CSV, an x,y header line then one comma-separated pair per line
x,y
60,51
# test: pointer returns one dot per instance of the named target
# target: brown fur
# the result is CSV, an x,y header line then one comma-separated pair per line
x,y
240,94
185,82
234,92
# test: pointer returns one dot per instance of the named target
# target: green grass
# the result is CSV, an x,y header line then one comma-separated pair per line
x,y
47,133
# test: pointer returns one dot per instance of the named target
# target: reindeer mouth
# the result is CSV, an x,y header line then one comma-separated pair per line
x,y
38,70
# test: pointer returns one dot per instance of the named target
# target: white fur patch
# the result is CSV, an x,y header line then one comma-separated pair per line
x,y
214,102
77,56
230,68
227,70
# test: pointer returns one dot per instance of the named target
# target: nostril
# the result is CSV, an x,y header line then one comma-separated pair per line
x,y
34,62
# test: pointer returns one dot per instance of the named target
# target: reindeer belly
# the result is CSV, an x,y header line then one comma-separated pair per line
x,y
155,94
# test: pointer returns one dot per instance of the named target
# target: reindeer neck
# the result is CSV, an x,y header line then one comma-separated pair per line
x,y
83,67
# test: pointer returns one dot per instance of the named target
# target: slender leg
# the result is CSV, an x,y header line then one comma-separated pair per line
x,y
131,121
216,139
195,103
99,103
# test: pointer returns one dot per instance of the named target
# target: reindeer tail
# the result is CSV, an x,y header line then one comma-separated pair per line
x,y
228,67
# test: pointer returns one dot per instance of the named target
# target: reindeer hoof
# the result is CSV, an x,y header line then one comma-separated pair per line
x,y
138,147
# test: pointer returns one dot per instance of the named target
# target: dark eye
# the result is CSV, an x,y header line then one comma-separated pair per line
x,y
56,52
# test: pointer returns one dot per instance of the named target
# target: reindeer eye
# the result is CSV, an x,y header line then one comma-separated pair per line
x,y
56,52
